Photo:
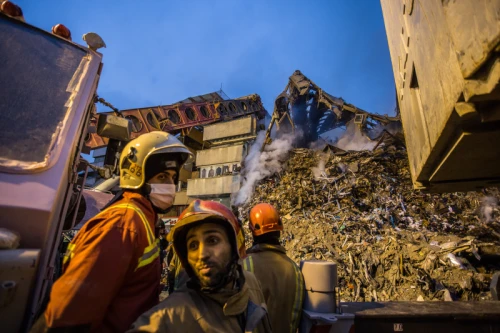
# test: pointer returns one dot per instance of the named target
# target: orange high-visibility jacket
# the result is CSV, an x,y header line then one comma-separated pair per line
x,y
111,270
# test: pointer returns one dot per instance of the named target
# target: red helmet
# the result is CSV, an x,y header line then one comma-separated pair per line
x,y
264,218
200,210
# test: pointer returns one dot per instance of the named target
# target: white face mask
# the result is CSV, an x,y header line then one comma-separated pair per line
x,y
162,195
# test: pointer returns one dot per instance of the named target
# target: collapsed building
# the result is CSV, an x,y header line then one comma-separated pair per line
x,y
304,106
352,201
349,200
219,131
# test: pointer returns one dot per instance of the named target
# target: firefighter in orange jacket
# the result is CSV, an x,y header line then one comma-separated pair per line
x,y
281,280
112,267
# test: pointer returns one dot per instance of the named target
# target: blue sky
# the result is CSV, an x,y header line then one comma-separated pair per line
x,y
162,51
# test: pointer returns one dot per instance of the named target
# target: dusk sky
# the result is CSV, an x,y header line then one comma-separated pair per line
x,y
161,51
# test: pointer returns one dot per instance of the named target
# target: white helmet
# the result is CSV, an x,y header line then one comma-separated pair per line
x,y
135,155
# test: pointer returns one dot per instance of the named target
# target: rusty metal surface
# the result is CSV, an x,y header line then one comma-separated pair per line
x,y
181,117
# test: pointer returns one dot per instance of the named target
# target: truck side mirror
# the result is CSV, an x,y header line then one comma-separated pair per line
x,y
114,127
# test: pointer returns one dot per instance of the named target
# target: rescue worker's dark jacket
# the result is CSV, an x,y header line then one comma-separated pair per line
x,y
177,276
194,311
282,285
111,270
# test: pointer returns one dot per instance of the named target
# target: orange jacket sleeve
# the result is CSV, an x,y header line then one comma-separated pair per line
x,y
102,258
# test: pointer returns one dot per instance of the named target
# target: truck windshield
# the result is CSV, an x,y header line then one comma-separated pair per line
x,y
36,74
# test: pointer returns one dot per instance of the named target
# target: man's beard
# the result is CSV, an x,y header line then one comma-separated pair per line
x,y
218,280
214,279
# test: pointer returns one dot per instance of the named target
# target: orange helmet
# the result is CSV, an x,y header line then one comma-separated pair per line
x,y
264,218
200,210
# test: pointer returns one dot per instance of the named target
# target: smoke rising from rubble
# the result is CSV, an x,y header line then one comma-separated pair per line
x,y
319,171
354,139
390,242
259,165
488,205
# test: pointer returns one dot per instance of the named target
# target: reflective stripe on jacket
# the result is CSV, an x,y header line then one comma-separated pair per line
x,y
282,284
111,269
151,252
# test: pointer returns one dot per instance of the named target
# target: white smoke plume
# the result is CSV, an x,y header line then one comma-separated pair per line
x,y
318,145
488,205
259,165
319,171
354,139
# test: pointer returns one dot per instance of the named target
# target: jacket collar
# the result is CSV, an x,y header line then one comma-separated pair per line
x,y
266,247
144,204
233,301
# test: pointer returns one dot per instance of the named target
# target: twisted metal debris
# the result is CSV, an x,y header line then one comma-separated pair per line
x,y
390,242
307,107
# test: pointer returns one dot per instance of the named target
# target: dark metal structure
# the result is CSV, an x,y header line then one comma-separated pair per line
x,y
304,105
182,116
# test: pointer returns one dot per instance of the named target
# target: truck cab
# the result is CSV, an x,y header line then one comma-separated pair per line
x,y
48,86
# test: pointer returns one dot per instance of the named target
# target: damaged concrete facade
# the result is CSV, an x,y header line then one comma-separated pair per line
x,y
219,166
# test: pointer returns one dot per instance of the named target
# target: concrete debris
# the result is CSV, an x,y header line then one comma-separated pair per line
x,y
360,210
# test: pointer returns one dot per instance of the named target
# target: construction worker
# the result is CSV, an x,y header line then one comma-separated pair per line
x,y
112,267
219,296
281,280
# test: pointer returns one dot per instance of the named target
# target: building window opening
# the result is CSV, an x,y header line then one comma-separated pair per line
x,y
204,112
136,123
190,114
173,116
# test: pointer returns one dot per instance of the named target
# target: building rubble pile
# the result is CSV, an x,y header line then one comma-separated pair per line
x,y
391,242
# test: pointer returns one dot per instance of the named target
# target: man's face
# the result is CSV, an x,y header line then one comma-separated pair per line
x,y
209,252
165,177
